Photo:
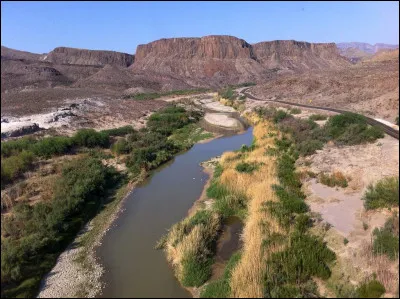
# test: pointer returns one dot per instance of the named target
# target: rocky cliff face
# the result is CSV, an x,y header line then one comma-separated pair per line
x,y
210,60
218,60
63,55
299,56
165,64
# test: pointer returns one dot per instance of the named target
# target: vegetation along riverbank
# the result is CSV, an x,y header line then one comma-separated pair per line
x,y
281,255
86,174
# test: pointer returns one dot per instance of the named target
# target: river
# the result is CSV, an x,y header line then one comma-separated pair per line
x,y
133,268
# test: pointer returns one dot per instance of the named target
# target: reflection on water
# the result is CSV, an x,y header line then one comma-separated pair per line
x,y
133,268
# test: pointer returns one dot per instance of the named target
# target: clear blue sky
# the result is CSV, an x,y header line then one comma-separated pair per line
x,y
120,26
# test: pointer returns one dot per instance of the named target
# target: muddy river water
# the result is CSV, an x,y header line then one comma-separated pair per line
x,y
133,268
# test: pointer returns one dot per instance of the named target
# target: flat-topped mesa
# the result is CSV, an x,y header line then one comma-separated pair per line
x,y
213,46
220,59
298,55
64,55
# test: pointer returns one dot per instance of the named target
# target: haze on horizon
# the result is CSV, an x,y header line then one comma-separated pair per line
x,y
39,27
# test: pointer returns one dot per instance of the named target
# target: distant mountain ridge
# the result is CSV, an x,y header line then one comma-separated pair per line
x,y
356,51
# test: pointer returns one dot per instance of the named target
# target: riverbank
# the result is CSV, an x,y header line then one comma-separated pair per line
x,y
78,272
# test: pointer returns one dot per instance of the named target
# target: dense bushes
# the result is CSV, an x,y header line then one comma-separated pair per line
x,y
384,194
290,271
52,146
13,147
14,166
347,128
371,289
91,138
37,234
350,128
152,146
18,155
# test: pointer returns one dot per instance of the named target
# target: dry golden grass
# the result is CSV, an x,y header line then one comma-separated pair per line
x,y
248,275
180,245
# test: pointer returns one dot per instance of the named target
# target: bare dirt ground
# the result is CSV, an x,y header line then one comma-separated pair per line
x,y
371,89
69,114
343,209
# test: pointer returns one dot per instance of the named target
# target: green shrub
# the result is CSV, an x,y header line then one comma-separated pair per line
x,y
14,166
271,151
13,147
283,143
227,93
315,117
384,194
294,111
216,190
350,128
304,258
303,222
231,205
201,217
120,147
196,271
365,226
386,242
371,289
279,116
90,138
397,120
345,241
335,179
309,147
38,233
52,146
247,167
121,131
216,289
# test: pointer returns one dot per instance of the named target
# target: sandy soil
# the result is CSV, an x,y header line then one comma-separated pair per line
x,y
217,106
343,208
222,120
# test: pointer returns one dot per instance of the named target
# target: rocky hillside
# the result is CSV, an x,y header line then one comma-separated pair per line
x,y
7,53
63,55
166,64
216,60
371,88
384,56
